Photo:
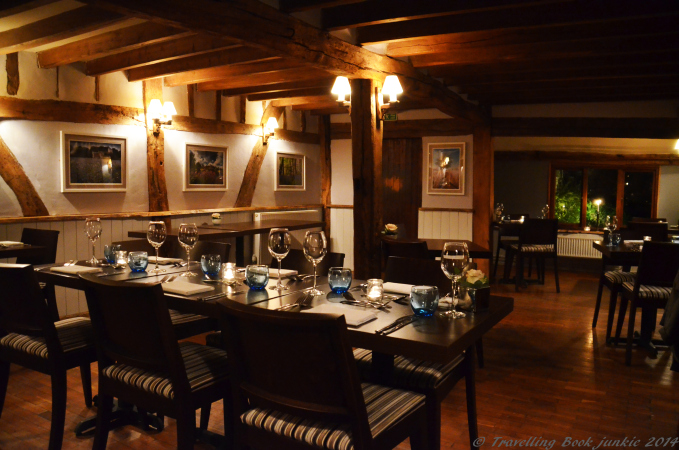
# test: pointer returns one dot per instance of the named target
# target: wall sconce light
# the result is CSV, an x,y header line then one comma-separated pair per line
x,y
268,129
676,146
161,114
341,88
392,88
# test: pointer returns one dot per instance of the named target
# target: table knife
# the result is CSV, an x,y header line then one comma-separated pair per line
x,y
396,324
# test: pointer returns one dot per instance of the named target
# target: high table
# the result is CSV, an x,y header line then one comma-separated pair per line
x,y
21,250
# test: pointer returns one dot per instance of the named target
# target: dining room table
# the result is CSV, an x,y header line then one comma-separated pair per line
x,y
435,246
15,251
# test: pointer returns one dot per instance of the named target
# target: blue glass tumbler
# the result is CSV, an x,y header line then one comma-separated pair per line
x,y
138,261
339,279
424,300
212,266
257,276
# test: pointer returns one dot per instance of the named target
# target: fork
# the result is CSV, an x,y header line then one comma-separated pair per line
x,y
304,300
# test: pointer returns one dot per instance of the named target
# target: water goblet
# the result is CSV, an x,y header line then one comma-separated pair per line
x,y
211,265
156,234
93,231
257,276
110,253
138,261
454,261
339,279
315,247
188,236
279,247
424,300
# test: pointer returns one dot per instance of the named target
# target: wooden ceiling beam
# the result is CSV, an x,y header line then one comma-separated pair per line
x,y
278,87
531,15
195,64
257,68
669,92
116,41
627,159
154,53
12,7
318,106
293,101
328,111
275,77
290,6
289,94
259,25
61,26
624,128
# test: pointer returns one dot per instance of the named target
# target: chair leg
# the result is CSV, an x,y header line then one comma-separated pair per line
x,y
630,333
433,407
186,430
556,274
86,377
104,408
597,305
509,261
205,417
621,318
497,258
611,313
518,279
479,352
470,387
4,380
530,268
58,409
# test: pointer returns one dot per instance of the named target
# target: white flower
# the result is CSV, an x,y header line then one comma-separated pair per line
x,y
391,227
216,216
474,275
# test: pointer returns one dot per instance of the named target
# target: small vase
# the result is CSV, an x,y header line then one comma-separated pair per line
x,y
475,300
216,221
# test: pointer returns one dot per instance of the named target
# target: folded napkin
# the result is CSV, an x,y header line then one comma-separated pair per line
x,y
182,287
354,317
273,272
10,243
397,288
631,241
162,260
73,270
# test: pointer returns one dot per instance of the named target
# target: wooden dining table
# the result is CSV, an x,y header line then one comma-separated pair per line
x,y
15,251
435,246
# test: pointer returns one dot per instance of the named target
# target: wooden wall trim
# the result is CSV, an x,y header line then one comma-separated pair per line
x,y
146,215
631,128
340,206
407,129
587,157
462,210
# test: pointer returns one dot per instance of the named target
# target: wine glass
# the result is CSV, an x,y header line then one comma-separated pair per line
x,y
613,224
188,236
279,247
454,261
315,247
156,234
545,212
93,231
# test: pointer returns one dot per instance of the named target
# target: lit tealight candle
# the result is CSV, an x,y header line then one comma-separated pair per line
x,y
374,290
229,276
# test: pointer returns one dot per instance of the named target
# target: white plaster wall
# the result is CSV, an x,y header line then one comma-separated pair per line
x,y
668,194
342,189
449,201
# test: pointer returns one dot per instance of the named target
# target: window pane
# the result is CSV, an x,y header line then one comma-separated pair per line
x,y
568,196
638,195
602,184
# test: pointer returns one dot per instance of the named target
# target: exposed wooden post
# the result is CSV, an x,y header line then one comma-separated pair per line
x,y
12,67
243,102
96,88
366,143
191,93
218,105
326,169
483,190
17,180
155,151
57,77
303,121
247,187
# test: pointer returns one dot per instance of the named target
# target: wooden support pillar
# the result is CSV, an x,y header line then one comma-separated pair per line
x,y
366,143
13,173
12,67
243,102
326,169
155,150
191,94
483,190
218,105
96,88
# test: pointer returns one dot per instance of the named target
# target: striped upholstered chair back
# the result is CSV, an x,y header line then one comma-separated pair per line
x,y
658,266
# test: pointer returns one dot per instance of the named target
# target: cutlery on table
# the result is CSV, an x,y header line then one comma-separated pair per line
x,y
304,300
397,324
213,296
359,287
351,300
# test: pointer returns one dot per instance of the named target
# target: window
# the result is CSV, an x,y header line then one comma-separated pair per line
x,y
583,196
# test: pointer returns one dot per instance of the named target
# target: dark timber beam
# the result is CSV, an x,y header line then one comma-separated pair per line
x,y
625,128
326,169
14,175
482,185
155,151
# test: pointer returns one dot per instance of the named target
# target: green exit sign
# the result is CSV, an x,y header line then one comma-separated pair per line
x,y
390,117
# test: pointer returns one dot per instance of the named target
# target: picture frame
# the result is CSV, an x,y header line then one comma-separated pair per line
x,y
206,168
290,172
93,163
446,169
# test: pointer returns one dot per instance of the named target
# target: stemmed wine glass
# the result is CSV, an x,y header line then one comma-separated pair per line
x,y
156,234
612,224
93,231
279,247
315,247
188,236
454,261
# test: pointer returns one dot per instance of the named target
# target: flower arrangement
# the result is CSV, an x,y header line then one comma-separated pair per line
x,y
474,279
390,229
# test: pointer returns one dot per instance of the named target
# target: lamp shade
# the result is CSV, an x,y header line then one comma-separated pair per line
x,y
392,87
155,109
341,88
169,110
271,124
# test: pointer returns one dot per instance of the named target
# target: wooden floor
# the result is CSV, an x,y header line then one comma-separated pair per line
x,y
548,375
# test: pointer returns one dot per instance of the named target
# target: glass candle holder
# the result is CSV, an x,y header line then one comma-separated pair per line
x,y
229,274
424,300
138,261
339,279
257,276
121,258
212,266
374,289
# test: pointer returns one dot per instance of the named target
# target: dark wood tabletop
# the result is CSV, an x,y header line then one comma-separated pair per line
x,y
435,247
624,253
20,250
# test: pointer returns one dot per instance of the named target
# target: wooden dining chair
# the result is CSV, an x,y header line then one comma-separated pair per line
x,y
141,362
649,219
49,239
657,230
295,386
297,261
30,338
651,289
538,239
404,248
507,234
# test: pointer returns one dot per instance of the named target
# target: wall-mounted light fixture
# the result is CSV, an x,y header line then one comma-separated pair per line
x,y
268,129
342,89
161,114
391,89
676,146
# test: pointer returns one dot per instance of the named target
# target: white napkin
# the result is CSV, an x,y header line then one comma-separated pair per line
x,y
354,317
630,241
162,260
10,243
397,288
273,273
182,287
73,270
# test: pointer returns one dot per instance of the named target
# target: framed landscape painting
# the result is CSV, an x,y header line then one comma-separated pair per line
x,y
93,163
445,169
205,168
290,172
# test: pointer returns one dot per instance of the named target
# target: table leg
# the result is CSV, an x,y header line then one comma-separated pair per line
x,y
470,385
240,251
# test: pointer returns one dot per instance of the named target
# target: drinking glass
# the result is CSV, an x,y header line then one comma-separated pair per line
x,y
156,235
454,261
211,265
138,261
257,276
188,236
110,253
545,212
613,224
424,300
374,289
279,247
315,247
93,231
339,279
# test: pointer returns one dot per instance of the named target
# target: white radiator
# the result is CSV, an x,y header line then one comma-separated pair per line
x,y
578,245
260,245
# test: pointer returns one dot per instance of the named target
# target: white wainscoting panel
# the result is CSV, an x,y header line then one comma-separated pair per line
x,y
445,225
342,234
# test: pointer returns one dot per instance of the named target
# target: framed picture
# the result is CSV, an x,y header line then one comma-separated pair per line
x,y
446,169
206,168
93,163
290,172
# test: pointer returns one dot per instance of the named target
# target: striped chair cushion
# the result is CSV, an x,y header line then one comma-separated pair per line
x,y
385,406
74,334
409,373
645,291
204,366
179,318
534,248
617,277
